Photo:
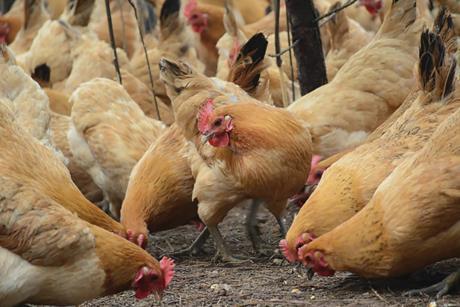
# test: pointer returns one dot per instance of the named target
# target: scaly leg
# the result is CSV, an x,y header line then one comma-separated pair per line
x,y
222,252
251,225
441,288
282,226
196,247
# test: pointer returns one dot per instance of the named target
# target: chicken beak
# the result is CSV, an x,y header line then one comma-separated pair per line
x,y
206,136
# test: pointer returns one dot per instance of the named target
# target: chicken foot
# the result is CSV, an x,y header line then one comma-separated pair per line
x,y
441,288
196,247
254,231
223,253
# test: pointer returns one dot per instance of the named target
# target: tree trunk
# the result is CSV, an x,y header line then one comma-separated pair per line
x,y
308,49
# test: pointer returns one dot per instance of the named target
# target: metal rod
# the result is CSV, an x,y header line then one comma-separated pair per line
x,y
146,59
288,28
112,39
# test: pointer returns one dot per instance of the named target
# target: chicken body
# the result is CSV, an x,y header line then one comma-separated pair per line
x,y
367,89
410,222
49,256
349,183
346,38
109,134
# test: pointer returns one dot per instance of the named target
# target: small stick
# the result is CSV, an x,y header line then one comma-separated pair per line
x,y
112,39
279,61
330,13
378,295
291,63
284,50
146,60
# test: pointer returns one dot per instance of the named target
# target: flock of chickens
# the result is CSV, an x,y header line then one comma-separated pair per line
x,y
92,161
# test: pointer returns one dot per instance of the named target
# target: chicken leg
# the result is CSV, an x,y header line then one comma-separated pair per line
x,y
441,288
196,247
223,253
252,227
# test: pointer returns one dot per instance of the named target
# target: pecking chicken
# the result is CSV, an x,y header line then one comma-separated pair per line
x,y
233,143
108,135
47,254
349,183
409,222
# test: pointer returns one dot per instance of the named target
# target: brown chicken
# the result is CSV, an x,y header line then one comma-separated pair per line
x,y
35,15
11,22
159,193
348,185
124,22
409,222
223,178
367,89
346,38
59,126
37,167
43,245
175,42
108,135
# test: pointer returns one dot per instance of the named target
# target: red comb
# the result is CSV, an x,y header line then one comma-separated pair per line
x,y
286,252
236,47
167,267
189,7
204,115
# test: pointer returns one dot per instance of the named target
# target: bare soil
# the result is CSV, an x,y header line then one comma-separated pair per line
x,y
271,281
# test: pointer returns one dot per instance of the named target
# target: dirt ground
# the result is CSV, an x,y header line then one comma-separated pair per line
x,y
270,281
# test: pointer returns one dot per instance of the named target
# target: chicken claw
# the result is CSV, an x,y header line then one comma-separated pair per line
x,y
196,247
222,254
441,288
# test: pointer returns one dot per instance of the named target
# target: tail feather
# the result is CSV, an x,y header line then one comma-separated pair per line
x,y
401,15
169,17
249,64
437,63
444,27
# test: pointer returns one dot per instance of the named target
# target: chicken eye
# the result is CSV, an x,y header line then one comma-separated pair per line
x,y
218,122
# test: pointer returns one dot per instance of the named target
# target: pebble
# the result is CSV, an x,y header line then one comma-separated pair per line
x,y
295,290
278,261
432,304
312,297
221,289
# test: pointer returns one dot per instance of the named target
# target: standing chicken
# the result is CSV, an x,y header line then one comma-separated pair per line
x,y
348,185
410,222
108,135
48,255
239,157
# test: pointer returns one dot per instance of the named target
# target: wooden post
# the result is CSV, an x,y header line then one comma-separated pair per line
x,y
308,49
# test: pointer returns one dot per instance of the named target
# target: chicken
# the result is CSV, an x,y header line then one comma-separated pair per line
x,y
59,103
346,38
250,11
229,46
222,178
33,165
11,23
59,126
43,245
175,42
360,14
35,15
410,222
25,97
124,22
159,193
206,21
348,185
108,135
367,89
143,96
